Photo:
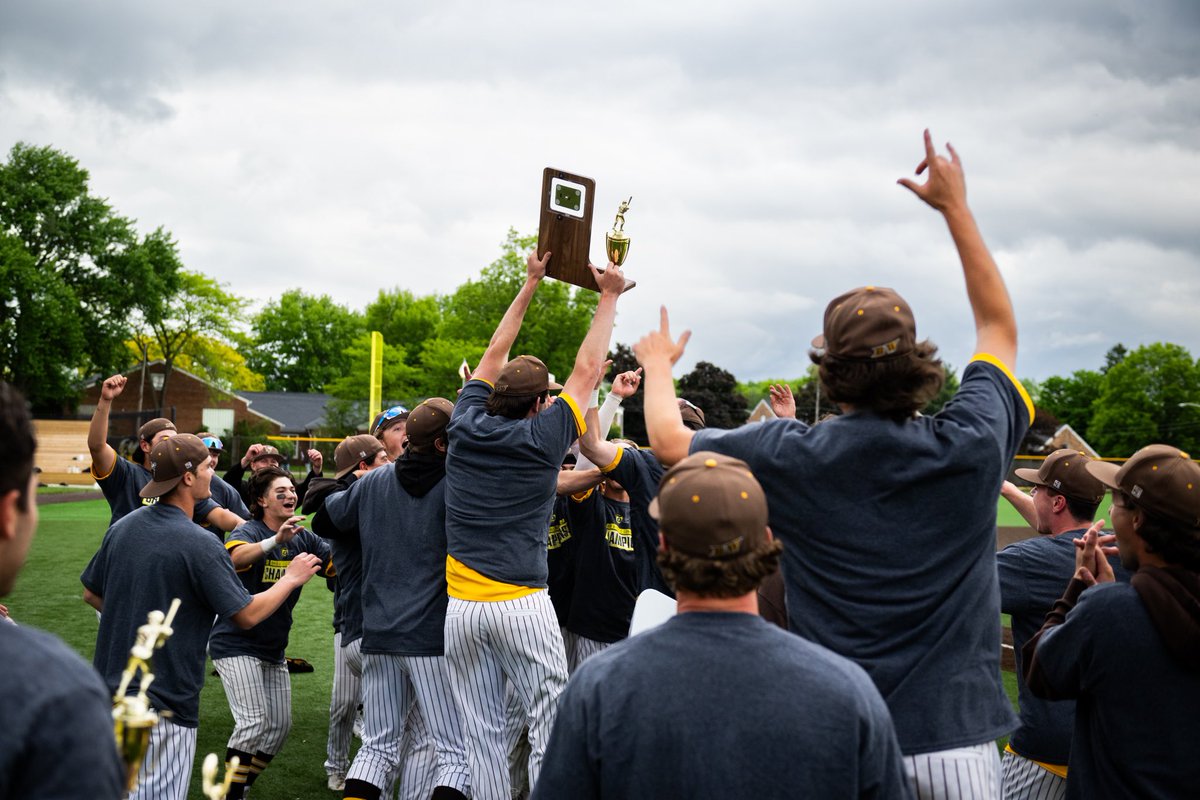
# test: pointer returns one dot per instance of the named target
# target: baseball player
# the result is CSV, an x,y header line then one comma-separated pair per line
x,y
389,426
261,456
1032,572
768,714
354,455
888,516
121,480
148,558
251,662
507,442
222,493
399,515
57,713
1129,654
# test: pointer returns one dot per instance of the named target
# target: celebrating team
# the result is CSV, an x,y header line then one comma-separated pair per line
x,y
483,590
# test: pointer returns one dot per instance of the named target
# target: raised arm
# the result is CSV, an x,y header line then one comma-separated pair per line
x,y
657,352
946,191
496,355
104,458
1022,502
264,604
243,554
595,345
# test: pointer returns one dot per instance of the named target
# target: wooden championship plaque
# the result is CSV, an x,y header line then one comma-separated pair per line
x,y
566,227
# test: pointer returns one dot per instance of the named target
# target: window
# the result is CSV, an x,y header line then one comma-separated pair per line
x,y
218,421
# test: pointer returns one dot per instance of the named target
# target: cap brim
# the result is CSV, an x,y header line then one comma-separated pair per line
x,y
159,488
554,387
652,509
818,341
1029,475
1104,472
344,472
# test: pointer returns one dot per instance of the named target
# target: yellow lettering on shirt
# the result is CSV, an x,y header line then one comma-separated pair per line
x,y
560,533
618,537
273,570
465,583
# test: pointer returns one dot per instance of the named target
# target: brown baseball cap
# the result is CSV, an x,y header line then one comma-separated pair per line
x,y
867,324
710,506
1065,472
154,427
1159,478
270,451
352,450
428,421
387,418
170,459
524,375
692,414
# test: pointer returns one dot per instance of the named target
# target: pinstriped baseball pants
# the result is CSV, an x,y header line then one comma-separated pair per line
x,y
260,698
491,644
418,757
1025,780
963,772
343,703
167,768
580,649
391,684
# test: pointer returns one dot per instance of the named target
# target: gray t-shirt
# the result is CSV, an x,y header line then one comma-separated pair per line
x,y
122,487
1032,576
501,477
268,639
720,705
403,540
57,722
890,533
146,559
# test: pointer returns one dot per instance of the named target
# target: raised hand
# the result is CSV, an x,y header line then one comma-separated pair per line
x,y
946,186
303,567
535,267
626,384
1091,565
659,344
611,281
316,460
112,387
782,401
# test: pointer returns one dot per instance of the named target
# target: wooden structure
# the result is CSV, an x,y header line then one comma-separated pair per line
x,y
62,452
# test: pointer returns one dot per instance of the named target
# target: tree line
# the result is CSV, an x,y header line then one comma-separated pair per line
x,y
83,294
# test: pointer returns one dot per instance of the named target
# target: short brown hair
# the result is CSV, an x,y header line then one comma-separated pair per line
x,y
895,387
17,429
260,484
725,577
1174,542
513,406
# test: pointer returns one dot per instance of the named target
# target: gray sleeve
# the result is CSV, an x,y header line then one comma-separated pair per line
x,y
73,754
1014,594
881,770
220,585
567,769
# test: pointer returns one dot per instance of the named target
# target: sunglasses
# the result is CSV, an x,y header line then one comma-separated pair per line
x,y
213,443
384,416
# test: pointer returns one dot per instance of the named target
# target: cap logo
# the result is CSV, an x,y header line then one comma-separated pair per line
x,y
726,549
886,349
1136,491
1057,483
187,465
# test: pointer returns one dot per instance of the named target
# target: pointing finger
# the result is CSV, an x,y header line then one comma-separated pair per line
x,y
664,322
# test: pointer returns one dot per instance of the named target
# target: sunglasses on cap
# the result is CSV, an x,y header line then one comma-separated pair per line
x,y
213,443
384,416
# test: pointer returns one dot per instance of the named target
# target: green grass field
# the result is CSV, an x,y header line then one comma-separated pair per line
x,y
48,596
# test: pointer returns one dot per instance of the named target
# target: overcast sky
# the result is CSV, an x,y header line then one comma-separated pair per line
x,y
344,148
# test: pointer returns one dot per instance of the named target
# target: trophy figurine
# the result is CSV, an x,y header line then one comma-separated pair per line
x,y
211,788
616,241
132,716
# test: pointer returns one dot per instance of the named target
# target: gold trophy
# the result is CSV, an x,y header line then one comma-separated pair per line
x,y
616,241
208,774
132,716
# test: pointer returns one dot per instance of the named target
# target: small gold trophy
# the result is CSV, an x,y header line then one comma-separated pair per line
x,y
132,716
211,788
616,241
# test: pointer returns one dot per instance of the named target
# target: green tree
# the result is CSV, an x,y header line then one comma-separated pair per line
x,y
1072,399
632,409
404,319
714,391
440,362
812,402
299,342
72,271
1115,355
191,322
557,320
400,380
1145,399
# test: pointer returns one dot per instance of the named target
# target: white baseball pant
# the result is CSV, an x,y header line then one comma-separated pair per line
x,y
260,699
489,644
